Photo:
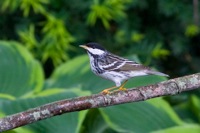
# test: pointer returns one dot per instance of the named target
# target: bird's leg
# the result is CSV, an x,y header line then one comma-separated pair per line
x,y
122,86
107,91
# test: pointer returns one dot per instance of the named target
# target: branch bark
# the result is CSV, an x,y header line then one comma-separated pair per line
x,y
169,87
196,11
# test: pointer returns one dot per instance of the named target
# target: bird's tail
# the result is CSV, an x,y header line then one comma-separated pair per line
x,y
156,73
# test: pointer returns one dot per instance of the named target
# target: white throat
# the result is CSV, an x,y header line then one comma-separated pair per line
x,y
96,51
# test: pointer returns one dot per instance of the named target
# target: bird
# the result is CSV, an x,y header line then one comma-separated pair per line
x,y
115,68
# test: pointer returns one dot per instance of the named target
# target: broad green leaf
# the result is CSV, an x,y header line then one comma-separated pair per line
x,y
53,91
20,74
2,115
195,106
188,128
139,117
7,96
68,123
185,113
22,130
163,105
94,123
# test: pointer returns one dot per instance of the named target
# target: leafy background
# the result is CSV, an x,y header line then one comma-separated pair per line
x,y
41,61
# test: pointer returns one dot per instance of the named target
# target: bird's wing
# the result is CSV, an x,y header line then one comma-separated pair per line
x,y
132,66
116,63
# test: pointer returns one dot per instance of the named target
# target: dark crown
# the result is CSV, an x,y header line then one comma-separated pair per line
x,y
95,45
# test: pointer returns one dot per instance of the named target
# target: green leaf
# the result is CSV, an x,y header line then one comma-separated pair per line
x,y
186,113
188,128
56,40
94,122
162,104
194,104
22,130
7,96
192,30
28,37
139,117
159,52
36,5
2,114
20,74
66,75
137,37
9,5
54,91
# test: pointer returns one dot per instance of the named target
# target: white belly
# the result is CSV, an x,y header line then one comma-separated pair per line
x,y
118,78
115,77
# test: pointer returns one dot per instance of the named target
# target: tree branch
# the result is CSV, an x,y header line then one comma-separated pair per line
x,y
169,87
196,11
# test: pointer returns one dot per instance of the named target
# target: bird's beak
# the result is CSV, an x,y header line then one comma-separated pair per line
x,y
83,46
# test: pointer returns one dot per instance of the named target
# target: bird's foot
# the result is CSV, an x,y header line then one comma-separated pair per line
x,y
122,89
106,91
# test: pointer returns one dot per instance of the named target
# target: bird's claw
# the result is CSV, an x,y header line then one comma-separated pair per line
x,y
105,91
122,89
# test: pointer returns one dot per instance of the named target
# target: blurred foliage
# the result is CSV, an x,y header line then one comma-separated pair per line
x,y
106,11
192,30
39,45
52,30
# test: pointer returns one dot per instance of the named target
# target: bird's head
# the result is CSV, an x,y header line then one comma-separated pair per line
x,y
94,49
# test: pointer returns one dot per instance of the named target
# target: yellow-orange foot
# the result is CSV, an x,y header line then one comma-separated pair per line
x,y
106,91
122,89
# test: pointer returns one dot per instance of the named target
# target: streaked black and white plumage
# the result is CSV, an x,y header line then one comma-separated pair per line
x,y
113,67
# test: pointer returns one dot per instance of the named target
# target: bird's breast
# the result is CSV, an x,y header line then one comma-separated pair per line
x,y
95,67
